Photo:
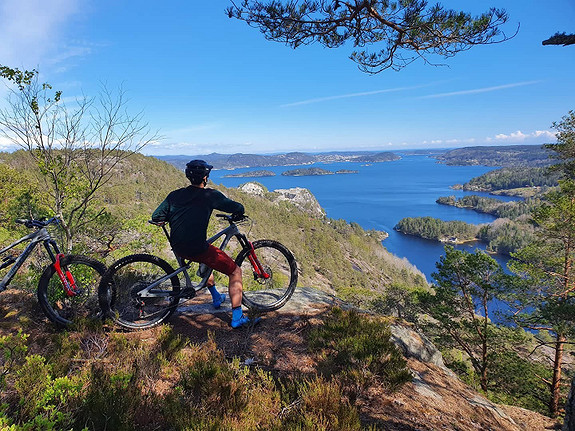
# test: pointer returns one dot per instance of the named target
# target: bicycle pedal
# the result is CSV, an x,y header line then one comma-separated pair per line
x,y
188,293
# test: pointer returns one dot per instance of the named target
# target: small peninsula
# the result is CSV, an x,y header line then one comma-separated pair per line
x,y
315,172
251,174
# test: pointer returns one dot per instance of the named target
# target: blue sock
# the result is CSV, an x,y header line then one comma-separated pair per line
x,y
215,293
217,298
237,313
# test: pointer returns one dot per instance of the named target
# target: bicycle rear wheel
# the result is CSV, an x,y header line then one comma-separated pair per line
x,y
62,309
268,294
120,288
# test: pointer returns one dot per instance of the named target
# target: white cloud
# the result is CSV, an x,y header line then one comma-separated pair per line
x,y
32,30
517,137
479,90
6,144
347,96
538,136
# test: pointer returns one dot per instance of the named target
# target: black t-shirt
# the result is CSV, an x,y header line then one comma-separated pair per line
x,y
188,211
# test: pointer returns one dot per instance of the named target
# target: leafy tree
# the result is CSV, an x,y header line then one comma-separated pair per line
x,y
543,293
565,147
459,306
75,150
401,31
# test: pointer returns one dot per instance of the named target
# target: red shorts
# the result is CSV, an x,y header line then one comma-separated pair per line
x,y
215,259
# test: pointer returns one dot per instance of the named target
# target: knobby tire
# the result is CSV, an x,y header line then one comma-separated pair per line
x,y
268,294
129,275
64,310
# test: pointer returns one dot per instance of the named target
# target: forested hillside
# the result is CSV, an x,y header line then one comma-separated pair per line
x,y
239,160
512,179
510,155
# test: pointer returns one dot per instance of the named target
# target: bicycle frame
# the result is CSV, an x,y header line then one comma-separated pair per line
x,y
228,233
40,236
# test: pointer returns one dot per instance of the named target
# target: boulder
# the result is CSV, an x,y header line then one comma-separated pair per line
x,y
301,198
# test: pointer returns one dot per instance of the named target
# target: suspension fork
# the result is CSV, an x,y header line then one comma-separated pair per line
x,y
64,274
259,270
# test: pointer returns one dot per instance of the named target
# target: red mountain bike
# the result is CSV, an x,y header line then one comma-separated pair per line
x,y
67,287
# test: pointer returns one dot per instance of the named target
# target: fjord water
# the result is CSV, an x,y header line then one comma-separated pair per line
x,y
381,194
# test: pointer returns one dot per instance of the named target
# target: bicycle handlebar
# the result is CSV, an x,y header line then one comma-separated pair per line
x,y
37,223
232,218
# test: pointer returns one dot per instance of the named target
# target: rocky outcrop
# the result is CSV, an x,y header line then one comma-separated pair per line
x,y
416,345
253,189
301,198
298,196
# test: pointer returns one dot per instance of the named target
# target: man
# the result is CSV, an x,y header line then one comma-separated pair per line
x,y
188,211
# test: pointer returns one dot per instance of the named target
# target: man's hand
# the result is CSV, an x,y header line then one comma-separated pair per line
x,y
238,216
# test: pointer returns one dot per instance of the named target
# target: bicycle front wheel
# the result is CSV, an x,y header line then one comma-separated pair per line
x,y
272,290
57,305
122,295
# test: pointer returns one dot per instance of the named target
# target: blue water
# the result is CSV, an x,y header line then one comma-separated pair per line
x,y
383,193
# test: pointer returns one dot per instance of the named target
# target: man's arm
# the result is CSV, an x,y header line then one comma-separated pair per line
x,y
222,203
162,212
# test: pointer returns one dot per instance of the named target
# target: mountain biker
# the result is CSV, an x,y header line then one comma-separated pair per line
x,y
188,211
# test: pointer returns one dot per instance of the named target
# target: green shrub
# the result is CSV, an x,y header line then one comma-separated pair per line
x,y
359,347
317,404
46,403
213,393
13,350
520,382
111,400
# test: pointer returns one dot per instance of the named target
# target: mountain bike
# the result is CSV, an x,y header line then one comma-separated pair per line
x,y
142,290
67,287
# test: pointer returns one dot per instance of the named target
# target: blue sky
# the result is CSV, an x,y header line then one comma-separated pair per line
x,y
212,84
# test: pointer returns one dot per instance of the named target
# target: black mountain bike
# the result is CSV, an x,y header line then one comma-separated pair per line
x,y
141,290
68,286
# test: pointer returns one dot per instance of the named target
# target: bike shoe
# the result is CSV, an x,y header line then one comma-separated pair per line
x,y
244,321
217,303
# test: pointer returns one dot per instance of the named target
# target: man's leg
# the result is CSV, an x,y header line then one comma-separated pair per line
x,y
235,287
217,297
219,261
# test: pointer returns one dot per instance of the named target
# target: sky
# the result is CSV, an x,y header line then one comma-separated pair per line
x,y
208,83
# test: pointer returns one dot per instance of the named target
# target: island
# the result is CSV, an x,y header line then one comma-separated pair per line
x,y
239,160
315,172
306,172
452,232
502,156
251,174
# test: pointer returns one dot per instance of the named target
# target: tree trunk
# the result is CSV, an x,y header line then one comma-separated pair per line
x,y
483,380
556,382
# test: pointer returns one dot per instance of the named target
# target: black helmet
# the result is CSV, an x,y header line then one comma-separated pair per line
x,y
196,170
